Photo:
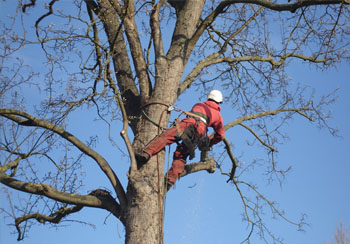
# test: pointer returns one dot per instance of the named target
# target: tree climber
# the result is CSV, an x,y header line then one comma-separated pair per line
x,y
192,131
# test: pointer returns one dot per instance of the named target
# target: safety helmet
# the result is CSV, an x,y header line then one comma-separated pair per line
x,y
215,95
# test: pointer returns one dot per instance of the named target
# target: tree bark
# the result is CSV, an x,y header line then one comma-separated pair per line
x,y
144,215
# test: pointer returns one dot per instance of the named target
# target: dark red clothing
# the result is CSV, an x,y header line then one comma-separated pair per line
x,y
210,109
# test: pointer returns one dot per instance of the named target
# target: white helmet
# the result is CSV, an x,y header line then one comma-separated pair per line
x,y
215,95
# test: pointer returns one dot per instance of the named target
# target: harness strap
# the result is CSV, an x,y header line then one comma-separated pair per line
x,y
198,116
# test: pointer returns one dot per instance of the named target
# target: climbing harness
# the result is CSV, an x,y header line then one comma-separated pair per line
x,y
196,115
199,117
189,136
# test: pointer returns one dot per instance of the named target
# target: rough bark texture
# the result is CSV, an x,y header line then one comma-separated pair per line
x,y
145,189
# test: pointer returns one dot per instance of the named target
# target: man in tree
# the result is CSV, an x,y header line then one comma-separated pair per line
x,y
192,131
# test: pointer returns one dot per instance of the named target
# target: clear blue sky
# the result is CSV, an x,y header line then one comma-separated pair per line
x,y
205,209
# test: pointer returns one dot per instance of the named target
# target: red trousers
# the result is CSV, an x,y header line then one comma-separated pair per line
x,y
181,153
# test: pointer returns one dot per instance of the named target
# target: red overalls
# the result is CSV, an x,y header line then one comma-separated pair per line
x,y
212,111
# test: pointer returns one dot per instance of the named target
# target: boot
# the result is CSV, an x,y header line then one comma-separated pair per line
x,y
204,156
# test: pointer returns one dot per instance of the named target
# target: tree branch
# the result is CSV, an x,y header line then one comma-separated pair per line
x,y
41,218
233,159
108,11
11,165
208,165
156,32
257,137
216,59
136,50
29,120
267,113
205,23
124,133
292,7
91,200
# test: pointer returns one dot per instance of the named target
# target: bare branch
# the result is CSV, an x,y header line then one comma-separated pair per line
x,y
216,59
233,159
136,50
253,215
30,120
48,191
191,168
257,137
156,32
11,165
108,11
266,113
292,7
124,132
41,218
208,165
206,22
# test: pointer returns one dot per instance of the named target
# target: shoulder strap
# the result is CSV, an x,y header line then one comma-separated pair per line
x,y
197,115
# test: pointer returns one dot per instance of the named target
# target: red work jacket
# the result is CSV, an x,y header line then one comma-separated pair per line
x,y
212,110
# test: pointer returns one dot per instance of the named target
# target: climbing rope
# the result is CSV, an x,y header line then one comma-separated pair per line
x,y
169,109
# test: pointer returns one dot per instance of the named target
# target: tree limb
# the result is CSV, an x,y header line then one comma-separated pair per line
x,y
257,137
156,32
292,7
233,159
124,133
208,165
41,218
17,116
267,113
11,165
91,200
108,11
205,23
215,58
136,50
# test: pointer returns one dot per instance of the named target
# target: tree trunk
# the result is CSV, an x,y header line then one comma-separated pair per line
x,y
144,216
145,189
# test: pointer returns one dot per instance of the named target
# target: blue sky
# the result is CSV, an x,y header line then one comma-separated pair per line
x,y
317,185
205,209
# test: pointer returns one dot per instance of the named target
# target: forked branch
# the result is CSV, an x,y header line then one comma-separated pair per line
x,y
54,218
25,119
91,200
